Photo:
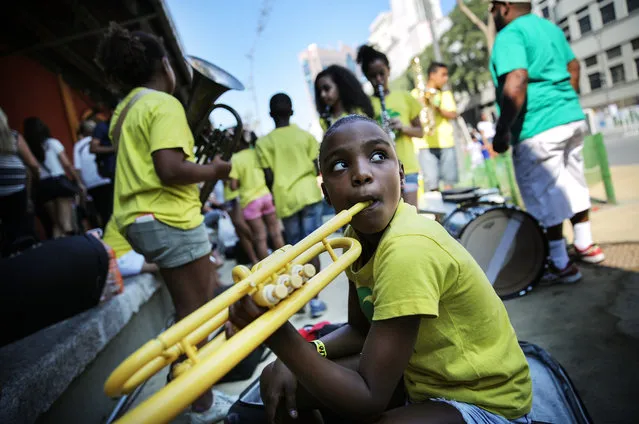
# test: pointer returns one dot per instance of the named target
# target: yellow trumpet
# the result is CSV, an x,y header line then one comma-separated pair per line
x,y
283,275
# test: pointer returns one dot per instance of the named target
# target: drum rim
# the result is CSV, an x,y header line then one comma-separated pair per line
x,y
537,225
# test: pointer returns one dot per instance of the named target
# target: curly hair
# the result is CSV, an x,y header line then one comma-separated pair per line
x,y
367,54
129,59
36,133
350,91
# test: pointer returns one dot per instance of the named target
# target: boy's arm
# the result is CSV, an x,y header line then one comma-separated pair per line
x,y
268,177
349,339
363,394
447,108
97,148
234,184
574,69
173,168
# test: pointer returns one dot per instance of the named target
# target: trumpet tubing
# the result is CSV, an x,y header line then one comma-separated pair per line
x,y
284,282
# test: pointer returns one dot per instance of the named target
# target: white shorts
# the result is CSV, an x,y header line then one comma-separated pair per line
x,y
130,263
549,168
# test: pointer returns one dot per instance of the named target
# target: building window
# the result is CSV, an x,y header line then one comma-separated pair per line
x,y
584,25
637,64
632,5
565,26
595,81
613,52
590,61
546,12
635,44
584,20
617,74
608,13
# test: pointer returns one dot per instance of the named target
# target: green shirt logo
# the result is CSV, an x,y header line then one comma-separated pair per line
x,y
365,295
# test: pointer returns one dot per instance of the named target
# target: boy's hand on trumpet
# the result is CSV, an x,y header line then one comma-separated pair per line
x,y
244,311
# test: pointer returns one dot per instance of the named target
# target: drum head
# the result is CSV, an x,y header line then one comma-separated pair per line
x,y
510,247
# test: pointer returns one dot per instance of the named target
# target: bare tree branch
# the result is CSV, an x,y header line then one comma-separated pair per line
x,y
487,29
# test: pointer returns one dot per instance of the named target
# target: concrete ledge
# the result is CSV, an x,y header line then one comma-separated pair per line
x,y
37,370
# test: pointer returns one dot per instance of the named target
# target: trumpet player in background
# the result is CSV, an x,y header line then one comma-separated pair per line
x,y
401,110
427,340
439,159
156,200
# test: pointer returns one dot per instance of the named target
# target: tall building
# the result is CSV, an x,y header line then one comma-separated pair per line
x,y
604,36
315,59
403,32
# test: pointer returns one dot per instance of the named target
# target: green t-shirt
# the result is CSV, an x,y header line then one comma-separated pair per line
x,y
539,46
290,152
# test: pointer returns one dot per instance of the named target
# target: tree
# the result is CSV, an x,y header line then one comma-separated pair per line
x,y
464,50
488,27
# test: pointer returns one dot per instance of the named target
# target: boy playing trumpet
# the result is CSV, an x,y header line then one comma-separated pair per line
x,y
427,338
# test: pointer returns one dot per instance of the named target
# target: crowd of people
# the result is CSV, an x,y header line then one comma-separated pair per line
x,y
427,338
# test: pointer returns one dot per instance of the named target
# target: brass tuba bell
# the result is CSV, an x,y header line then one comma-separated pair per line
x,y
208,83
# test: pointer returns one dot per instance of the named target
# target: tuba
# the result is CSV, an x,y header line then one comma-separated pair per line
x,y
283,282
426,96
208,83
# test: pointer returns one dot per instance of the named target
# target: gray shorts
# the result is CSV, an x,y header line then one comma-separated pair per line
x,y
166,246
438,165
473,414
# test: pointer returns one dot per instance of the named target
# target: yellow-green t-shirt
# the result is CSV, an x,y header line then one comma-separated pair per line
x,y
246,169
402,105
442,136
113,238
228,193
156,121
357,111
466,348
290,152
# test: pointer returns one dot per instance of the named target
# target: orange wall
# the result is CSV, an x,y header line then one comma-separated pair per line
x,y
29,89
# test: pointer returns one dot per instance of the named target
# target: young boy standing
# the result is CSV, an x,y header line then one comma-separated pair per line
x,y
288,155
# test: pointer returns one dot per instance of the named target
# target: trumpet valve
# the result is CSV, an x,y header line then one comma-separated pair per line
x,y
305,271
296,282
270,295
291,282
309,271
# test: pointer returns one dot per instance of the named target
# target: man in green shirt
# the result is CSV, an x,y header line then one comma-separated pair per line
x,y
536,76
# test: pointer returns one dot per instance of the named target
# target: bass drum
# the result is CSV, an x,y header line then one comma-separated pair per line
x,y
508,243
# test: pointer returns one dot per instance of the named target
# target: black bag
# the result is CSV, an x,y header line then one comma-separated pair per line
x,y
555,398
55,187
49,283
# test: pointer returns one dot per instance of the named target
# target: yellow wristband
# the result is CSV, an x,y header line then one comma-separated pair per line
x,y
321,349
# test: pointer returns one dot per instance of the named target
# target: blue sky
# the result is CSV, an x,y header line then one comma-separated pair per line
x,y
223,32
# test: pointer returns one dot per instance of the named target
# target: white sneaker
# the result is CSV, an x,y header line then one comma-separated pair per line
x,y
217,412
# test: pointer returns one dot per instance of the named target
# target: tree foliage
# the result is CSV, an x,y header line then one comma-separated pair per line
x,y
464,50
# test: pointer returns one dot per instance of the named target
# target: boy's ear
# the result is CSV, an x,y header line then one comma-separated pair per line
x,y
328,199
402,174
